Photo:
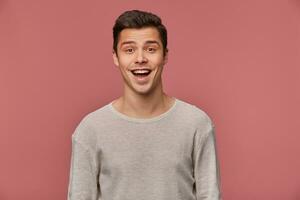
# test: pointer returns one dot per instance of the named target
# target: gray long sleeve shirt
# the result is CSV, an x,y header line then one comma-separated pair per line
x,y
168,157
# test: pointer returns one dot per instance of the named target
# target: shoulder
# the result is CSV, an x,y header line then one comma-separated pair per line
x,y
87,125
196,115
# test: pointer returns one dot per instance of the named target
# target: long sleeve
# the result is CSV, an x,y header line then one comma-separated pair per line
x,y
206,167
83,177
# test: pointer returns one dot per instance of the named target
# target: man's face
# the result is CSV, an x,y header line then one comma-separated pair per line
x,y
140,49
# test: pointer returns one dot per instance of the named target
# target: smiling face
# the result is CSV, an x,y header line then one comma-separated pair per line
x,y
140,49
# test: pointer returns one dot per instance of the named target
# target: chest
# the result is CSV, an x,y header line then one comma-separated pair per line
x,y
146,150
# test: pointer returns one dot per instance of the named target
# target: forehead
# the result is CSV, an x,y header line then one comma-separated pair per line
x,y
139,36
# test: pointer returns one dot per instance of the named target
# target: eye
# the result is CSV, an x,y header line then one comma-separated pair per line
x,y
151,49
129,50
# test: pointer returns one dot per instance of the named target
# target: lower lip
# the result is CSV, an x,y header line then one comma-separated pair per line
x,y
141,79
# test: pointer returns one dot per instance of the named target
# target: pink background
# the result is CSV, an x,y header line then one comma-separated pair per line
x,y
237,60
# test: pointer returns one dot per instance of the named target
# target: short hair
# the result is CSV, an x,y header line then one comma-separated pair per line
x,y
139,19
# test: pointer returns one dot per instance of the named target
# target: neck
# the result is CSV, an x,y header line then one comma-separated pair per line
x,y
143,106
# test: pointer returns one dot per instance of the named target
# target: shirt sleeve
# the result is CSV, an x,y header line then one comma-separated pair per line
x,y
83,181
206,167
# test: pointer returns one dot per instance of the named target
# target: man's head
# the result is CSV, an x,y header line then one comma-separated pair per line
x,y
139,19
140,51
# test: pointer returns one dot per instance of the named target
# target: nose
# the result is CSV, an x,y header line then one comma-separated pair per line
x,y
140,57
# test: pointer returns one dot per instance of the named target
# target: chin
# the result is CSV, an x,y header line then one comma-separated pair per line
x,y
143,90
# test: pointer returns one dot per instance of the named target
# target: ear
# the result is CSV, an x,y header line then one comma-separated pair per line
x,y
115,59
166,57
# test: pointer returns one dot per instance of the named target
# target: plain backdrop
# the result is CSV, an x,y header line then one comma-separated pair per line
x,y
237,60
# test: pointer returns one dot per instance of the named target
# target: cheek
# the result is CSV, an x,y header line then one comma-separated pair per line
x,y
125,62
157,59
123,65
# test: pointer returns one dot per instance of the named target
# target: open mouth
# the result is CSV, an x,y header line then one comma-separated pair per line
x,y
141,73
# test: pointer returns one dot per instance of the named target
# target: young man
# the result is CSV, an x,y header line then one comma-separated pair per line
x,y
145,145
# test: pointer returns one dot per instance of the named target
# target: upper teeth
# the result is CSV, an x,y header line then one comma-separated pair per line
x,y
141,71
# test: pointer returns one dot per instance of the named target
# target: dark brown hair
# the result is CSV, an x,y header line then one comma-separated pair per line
x,y
139,19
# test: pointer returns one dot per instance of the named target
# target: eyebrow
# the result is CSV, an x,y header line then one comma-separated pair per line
x,y
133,42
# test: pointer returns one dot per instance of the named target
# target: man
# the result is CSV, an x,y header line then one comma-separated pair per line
x,y
145,145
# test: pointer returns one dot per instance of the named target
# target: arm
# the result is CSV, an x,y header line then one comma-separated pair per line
x,y
83,182
206,167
